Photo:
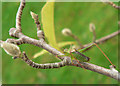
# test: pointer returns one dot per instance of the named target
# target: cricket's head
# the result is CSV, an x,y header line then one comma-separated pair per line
x,y
68,50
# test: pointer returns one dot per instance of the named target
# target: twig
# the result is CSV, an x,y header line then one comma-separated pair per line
x,y
19,14
77,39
15,41
105,38
40,33
43,66
68,32
114,5
35,17
111,3
108,72
108,37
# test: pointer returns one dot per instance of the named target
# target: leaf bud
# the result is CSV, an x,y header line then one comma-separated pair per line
x,y
11,49
66,32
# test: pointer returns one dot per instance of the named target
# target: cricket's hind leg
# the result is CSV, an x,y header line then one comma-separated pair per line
x,y
72,56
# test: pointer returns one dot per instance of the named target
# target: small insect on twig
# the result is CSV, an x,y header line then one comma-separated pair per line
x,y
79,57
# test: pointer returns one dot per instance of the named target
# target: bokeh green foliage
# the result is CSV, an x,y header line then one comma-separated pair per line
x,y
73,15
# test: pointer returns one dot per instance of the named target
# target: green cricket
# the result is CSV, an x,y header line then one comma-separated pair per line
x,y
79,57
77,54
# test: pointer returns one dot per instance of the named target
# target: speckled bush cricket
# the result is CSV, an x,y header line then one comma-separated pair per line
x,y
78,56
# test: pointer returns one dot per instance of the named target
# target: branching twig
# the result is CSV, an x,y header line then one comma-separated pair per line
x,y
47,47
66,60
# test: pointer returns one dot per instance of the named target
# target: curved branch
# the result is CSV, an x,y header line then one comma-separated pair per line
x,y
43,66
19,14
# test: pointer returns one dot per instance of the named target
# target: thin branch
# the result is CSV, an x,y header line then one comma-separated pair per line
x,y
35,17
40,33
114,5
108,72
43,66
15,41
105,38
19,14
111,3
68,32
77,39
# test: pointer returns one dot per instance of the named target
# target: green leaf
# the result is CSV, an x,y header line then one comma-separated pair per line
x,y
47,15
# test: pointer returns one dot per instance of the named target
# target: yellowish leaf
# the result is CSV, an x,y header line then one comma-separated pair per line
x,y
47,15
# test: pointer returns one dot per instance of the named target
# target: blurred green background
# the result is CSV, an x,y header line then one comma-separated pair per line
x,y
73,15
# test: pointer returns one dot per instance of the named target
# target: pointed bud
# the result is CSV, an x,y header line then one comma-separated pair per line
x,y
91,27
34,16
11,49
66,32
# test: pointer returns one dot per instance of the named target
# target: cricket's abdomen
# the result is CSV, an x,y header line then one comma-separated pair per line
x,y
81,57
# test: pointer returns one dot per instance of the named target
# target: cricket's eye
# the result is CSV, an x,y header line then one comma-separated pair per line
x,y
88,59
11,49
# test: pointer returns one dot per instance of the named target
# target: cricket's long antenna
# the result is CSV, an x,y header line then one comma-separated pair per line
x,y
105,55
